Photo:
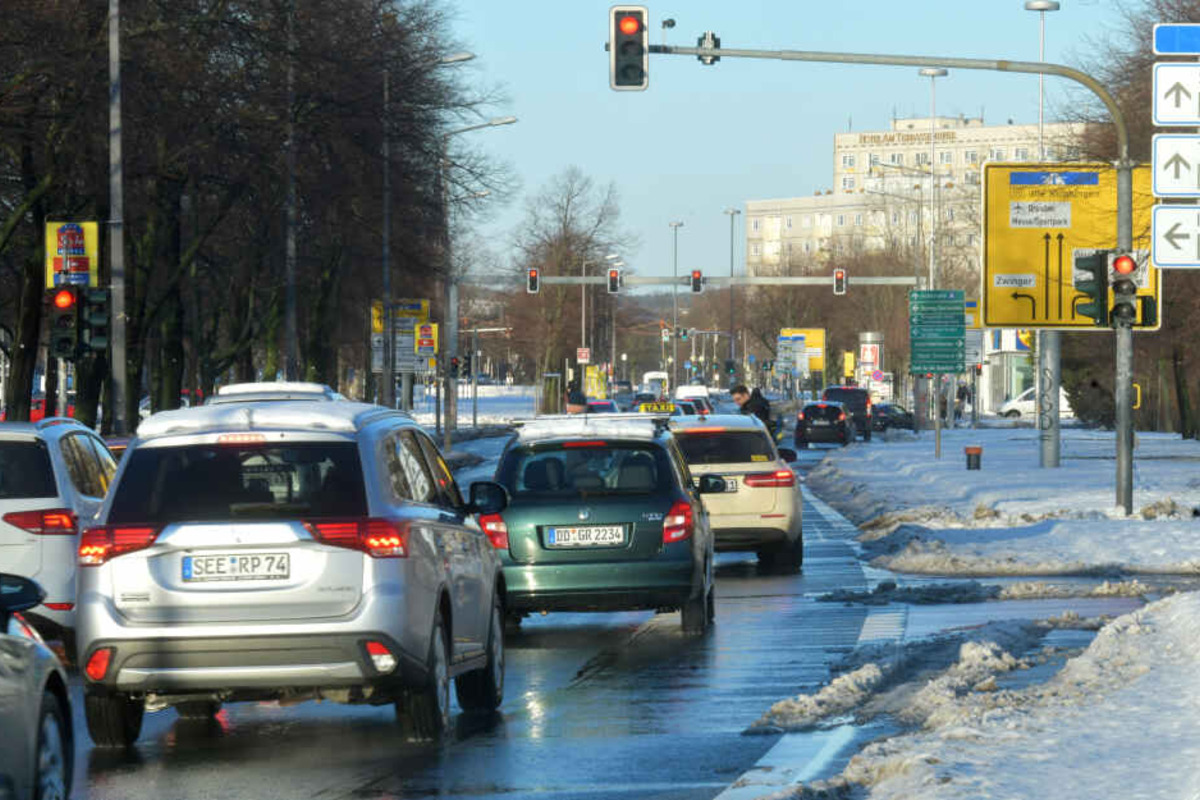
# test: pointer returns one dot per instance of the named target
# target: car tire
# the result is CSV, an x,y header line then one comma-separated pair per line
x,y
789,558
55,752
198,709
867,435
113,720
482,690
694,614
1012,414
425,710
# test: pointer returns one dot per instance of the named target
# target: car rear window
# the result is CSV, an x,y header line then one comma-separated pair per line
x,y
212,482
822,411
854,399
726,447
570,469
25,471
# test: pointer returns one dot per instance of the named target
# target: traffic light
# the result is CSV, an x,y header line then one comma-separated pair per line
x,y
682,333
95,320
466,365
454,367
666,334
730,366
697,281
628,48
839,281
1124,270
614,281
64,322
532,285
1091,278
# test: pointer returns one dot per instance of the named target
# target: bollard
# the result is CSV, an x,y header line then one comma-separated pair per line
x,y
974,456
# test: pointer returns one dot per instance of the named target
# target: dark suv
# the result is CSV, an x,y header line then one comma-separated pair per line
x,y
857,402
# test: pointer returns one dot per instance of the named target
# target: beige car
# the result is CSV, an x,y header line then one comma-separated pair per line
x,y
760,509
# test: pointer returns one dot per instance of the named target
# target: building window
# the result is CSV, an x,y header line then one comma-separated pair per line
x,y
912,241
788,221
789,248
848,184
1072,154
949,215
997,154
841,248
946,157
922,159
808,247
754,224
895,217
848,161
971,157
858,220
756,249
841,220
971,239
896,158
874,159
1021,154
973,178
912,216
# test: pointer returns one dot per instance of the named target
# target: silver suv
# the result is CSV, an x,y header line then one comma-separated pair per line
x,y
53,476
288,551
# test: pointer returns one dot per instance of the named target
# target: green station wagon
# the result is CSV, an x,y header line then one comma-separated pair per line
x,y
603,516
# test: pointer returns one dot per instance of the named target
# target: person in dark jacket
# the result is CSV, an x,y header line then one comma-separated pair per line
x,y
752,403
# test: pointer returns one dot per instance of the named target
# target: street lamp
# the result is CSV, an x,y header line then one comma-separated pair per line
x,y
450,278
1041,6
675,226
732,212
933,73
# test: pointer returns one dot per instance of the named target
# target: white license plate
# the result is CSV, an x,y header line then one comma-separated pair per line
x,y
241,567
591,536
817,423
731,485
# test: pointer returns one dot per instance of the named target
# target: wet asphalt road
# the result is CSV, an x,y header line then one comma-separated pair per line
x,y
596,706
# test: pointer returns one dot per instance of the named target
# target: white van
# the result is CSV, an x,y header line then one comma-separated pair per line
x,y
688,392
1025,405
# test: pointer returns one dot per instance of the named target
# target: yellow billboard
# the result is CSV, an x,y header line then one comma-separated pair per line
x,y
1037,219
72,254
814,340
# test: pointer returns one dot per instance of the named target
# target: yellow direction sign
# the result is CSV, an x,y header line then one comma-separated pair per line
x,y
1037,218
814,340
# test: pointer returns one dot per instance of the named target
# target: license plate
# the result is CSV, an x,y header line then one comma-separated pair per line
x,y
820,423
591,536
731,484
241,567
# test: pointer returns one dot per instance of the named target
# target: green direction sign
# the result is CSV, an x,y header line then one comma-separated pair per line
x,y
937,331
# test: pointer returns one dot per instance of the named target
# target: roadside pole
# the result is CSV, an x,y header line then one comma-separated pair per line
x,y
1124,334
1049,380
474,378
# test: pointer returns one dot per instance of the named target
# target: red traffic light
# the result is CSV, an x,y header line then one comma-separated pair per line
x,y
1124,265
629,25
64,298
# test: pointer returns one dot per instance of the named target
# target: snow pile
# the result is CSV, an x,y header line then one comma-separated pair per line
x,y
1117,721
846,693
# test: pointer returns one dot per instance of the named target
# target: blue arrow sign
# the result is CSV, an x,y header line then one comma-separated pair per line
x,y
1177,39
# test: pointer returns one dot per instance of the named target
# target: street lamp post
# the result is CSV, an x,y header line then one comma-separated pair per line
x,y
451,280
675,226
732,212
933,73
1049,349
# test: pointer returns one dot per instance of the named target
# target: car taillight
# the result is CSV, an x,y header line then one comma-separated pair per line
x,y
766,480
677,525
98,545
841,416
496,529
97,664
378,538
381,657
44,522
800,416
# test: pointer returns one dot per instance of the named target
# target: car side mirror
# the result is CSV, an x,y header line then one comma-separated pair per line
x,y
487,497
787,454
19,594
712,484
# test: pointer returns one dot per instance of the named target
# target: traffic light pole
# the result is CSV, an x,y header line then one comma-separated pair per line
x,y
1123,394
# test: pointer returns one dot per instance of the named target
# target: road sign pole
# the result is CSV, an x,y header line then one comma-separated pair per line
x,y
1124,335
1049,381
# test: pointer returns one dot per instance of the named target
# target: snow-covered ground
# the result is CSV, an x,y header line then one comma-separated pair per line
x,y
493,405
924,515
1118,719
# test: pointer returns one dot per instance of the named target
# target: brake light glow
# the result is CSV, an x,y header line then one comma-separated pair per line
x,y
377,537
800,416
841,416
59,606
770,480
242,438
44,522
569,445
97,665
98,545
381,657
496,529
714,429
677,525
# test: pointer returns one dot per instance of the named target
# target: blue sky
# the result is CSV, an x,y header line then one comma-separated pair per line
x,y
702,139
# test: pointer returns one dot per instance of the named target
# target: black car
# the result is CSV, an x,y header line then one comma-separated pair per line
x,y
823,421
857,402
890,415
